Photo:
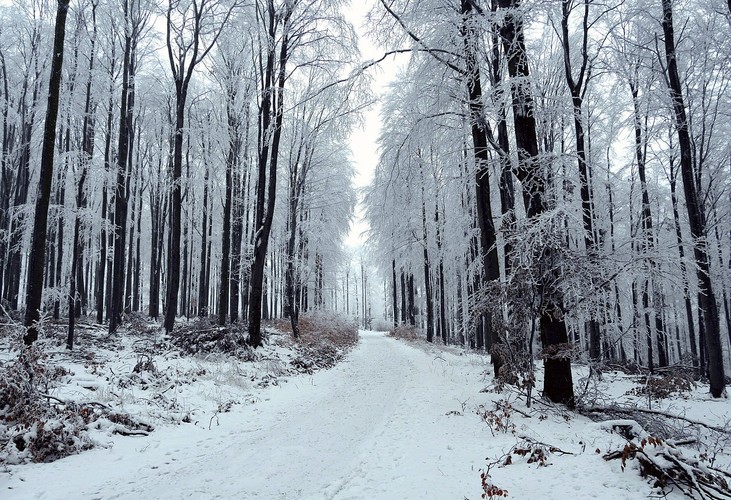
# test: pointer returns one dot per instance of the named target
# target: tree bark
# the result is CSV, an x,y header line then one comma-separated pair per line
x,y
394,289
232,162
120,193
696,217
427,271
558,381
271,109
34,286
478,128
87,146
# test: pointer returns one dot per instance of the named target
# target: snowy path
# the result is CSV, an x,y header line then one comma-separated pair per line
x,y
375,426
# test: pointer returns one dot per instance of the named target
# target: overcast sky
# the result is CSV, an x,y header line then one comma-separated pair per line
x,y
363,140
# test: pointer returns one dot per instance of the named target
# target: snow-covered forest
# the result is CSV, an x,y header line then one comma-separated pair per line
x,y
546,238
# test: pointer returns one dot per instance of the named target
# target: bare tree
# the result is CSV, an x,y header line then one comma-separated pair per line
x,y
34,286
696,215
192,29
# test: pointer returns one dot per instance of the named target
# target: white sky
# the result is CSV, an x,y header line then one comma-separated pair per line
x,y
363,141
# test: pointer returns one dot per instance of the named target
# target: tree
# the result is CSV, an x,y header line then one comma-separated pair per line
x,y
271,113
694,206
558,382
36,262
192,29
134,21
81,197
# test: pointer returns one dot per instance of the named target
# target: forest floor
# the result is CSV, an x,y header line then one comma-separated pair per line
x,y
394,419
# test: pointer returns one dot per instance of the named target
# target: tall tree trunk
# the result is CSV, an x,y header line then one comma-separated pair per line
x,y
394,289
478,128
61,202
22,181
683,267
120,193
577,87
5,173
129,273
87,153
649,242
558,382
271,116
429,296
696,216
34,286
103,238
505,184
136,285
232,163
411,308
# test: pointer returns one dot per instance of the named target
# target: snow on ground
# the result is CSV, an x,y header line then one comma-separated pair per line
x,y
394,420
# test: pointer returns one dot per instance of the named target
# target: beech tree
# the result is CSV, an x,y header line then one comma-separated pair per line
x,y
192,30
694,206
38,247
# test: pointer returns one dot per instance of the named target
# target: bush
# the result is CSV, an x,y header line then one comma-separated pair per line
x,y
204,336
31,427
406,332
663,386
325,337
38,427
381,325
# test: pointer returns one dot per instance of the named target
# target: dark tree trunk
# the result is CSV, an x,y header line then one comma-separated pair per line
x,y
507,190
394,289
237,238
87,153
160,204
411,308
34,287
577,88
129,273
202,295
429,296
696,217
297,178
558,382
683,268
138,260
478,127
271,109
103,238
403,297
22,181
120,192
442,298
5,174
176,201
232,163
61,201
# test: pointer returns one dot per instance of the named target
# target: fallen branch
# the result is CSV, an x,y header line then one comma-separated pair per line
x,y
66,403
549,447
634,409
669,466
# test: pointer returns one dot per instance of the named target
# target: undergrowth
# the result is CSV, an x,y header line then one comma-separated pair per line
x,y
38,427
323,341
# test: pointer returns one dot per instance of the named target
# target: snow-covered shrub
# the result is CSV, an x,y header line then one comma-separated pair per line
x,y
406,332
662,386
381,325
32,427
324,339
325,326
204,336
